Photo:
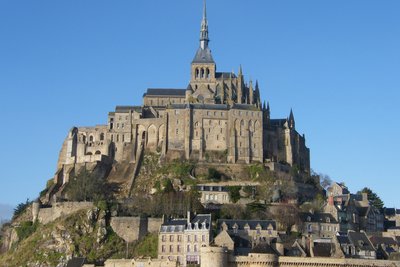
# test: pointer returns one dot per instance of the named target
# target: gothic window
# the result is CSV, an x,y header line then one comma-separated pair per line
x,y
202,73
91,138
208,73
123,138
117,137
101,136
197,73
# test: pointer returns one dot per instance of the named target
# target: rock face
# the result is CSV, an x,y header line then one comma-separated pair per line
x,y
84,233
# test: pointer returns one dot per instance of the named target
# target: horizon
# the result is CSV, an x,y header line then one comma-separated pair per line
x,y
336,64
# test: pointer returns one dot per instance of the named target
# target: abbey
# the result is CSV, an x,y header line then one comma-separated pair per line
x,y
219,117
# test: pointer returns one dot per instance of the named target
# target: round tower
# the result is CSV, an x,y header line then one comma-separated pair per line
x,y
35,210
214,257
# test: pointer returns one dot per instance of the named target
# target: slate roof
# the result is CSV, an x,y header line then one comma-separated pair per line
x,y
322,249
225,75
165,92
378,240
343,240
76,262
278,122
201,106
390,211
263,248
318,217
127,109
360,241
362,211
203,56
179,225
241,223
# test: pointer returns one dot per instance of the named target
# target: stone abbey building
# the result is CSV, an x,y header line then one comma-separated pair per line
x,y
219,117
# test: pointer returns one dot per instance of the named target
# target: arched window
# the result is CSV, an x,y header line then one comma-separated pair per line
x,y
91,138
98,152
197,73
102,137
202,73
207,73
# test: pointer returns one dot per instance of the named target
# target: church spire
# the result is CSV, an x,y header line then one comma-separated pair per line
x,y
204,29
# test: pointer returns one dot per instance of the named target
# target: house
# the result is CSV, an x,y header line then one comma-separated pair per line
x,y
319,224
385,246
356,245
181,239
242,236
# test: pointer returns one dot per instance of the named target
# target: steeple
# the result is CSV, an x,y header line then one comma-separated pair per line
x,y
204,29
203,54
291,120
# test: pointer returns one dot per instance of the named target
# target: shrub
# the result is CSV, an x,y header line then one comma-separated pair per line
x,y
25,229
234,193
214,174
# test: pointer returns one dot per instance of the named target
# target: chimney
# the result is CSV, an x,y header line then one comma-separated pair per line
x,y
330,200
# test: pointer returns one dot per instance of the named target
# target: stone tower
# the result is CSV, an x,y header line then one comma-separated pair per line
x,y
203,67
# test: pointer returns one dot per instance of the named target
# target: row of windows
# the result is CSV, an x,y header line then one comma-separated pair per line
x,y
216,197
189,248
202,73
190,238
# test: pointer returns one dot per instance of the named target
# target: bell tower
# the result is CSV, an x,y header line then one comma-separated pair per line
x,y
203,67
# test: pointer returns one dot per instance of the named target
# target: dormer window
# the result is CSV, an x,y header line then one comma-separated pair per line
x,y
235,228
328,220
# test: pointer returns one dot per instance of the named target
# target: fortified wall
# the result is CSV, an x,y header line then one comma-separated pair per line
x,y
134,228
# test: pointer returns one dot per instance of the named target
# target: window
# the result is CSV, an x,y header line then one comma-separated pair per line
x,y
163,248
91,138
177,132
122,125
195,248
188,248
188,238
163,238
171,238
195,238
171,248
203,238
123,138
101,136
179,238
178,248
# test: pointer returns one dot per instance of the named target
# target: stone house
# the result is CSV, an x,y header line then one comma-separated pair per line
x,y
181,239
244,235
319,225
356,245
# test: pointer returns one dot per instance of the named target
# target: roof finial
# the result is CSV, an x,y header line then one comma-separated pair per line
x,y
204,29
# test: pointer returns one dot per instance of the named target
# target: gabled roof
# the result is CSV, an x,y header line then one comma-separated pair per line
x,y
165,92
203,56
360,241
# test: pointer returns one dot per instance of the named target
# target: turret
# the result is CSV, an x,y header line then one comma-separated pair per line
x,y
291,120
251,93
239,86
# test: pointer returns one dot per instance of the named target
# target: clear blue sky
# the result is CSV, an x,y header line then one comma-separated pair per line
x,y
336,63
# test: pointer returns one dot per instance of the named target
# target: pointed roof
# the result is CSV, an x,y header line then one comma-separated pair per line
x,y
203,54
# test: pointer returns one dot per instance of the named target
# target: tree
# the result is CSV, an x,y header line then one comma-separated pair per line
x,y
373,198
325,181
21,207
86,187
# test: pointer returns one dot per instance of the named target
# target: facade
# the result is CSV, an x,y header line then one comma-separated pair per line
x,y
181,239
218,115
245,235
319,225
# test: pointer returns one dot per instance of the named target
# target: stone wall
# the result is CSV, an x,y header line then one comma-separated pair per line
x,y
154,224
47,215
140,263
134,228
129,228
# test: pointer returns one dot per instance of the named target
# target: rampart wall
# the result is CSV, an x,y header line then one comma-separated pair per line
x,y
57,210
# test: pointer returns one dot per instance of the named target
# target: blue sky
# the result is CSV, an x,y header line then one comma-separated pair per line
x,y
336,63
